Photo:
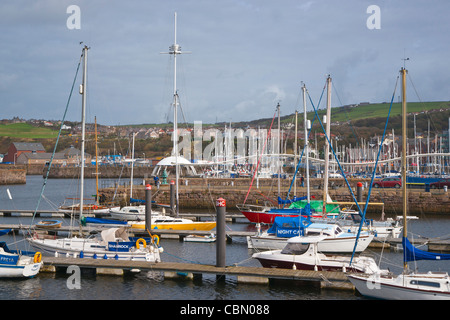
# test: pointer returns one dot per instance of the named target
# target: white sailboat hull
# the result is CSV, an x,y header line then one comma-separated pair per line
x,y
79,247
19,271
15,265
336,245
131,213
426,286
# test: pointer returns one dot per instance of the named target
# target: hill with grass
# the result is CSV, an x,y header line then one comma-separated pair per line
x,y
350,123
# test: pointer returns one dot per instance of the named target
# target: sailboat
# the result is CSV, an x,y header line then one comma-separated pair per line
x,y
408,285
267,214
159,219
14,264
92,208
113,243
337,239
300,206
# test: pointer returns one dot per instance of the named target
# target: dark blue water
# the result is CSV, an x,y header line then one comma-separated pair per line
x,y
152,286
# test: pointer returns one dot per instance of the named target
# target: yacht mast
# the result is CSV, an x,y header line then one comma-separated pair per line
x,y
404,139
83,128
175,49
279,150
305,125
327,147
96,163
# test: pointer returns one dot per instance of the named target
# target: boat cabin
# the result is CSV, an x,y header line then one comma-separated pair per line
x,y
301,245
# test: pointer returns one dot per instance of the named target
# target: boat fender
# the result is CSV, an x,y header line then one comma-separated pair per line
x,y
155,239
37,257
81,254
105,257
139,242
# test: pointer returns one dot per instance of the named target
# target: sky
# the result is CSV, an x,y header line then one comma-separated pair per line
x,y
245,56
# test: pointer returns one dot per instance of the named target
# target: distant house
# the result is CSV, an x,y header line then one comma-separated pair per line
x,y
40,158
31,153
73,155
18,148
154,135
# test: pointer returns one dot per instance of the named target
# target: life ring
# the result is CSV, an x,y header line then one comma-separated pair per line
x,y
155,239
94,207
37,257
139,241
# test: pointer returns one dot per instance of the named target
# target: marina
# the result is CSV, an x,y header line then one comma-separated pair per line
x,y
235,211
189,258
432,244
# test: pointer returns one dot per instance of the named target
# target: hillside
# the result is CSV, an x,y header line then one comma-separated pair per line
x,y
26,130
350,123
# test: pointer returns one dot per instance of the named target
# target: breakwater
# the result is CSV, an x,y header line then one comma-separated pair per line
x,y
12,175
197,193
105,172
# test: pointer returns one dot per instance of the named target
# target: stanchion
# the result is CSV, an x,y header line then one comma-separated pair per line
x,y
148,207
220,235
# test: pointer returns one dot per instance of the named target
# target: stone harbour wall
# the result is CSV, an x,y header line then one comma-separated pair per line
x,y
13,175
202,193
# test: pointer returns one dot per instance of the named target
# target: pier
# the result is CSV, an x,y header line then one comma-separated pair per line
x,y
436,245
162,233
192,271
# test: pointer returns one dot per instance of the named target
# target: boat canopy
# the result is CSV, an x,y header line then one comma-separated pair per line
x,y
4,231
287,227
288,201
86,220
316,206
112,234
411,253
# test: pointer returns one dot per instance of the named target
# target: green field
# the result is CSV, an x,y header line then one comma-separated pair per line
x,y
25,130
381,110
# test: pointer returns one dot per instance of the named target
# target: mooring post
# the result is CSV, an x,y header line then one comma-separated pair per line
x,y
359,192
220,232
172,197
148,207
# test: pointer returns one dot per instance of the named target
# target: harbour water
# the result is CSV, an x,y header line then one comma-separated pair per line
x,y
152,286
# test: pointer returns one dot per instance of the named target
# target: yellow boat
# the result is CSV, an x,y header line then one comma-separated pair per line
x,y
166,222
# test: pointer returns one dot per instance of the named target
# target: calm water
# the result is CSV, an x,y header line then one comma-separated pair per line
x,y
151,286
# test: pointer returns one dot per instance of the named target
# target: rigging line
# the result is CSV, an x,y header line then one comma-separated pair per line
x,y
304,146
181,69
417,94
346,114
335,157
363,214
260,156
182,112
57,140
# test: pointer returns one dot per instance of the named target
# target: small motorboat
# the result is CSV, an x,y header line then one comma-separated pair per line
x,y
198,238
301,253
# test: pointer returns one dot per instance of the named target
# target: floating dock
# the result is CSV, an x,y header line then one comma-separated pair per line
x,y
435,245
192,271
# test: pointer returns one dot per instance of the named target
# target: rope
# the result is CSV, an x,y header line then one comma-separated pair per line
x,y
363,214
303,150
56,144
259,160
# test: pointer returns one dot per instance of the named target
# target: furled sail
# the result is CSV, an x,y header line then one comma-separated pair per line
x,y
411,253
